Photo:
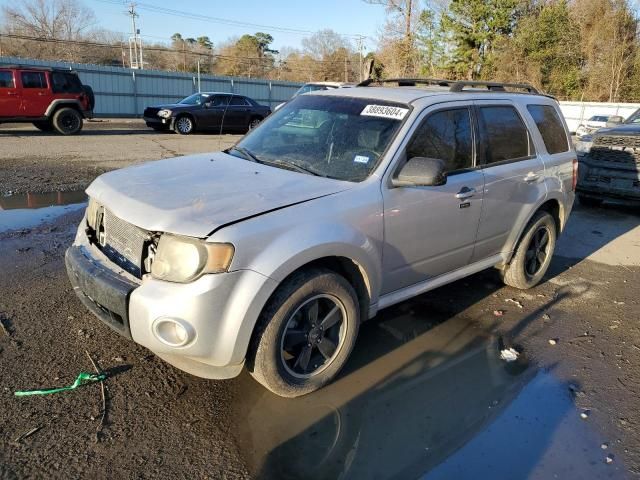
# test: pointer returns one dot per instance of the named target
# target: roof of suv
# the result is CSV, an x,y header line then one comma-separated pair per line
x,y
409,94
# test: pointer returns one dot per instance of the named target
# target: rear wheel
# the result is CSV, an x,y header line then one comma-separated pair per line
x,y
67,121
45,126
305,334
254,123
590,201
533,254
184,125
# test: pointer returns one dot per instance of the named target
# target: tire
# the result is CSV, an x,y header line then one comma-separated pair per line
x,y
253,123
44,126
590,201
184,125
67,121
526,269
281,368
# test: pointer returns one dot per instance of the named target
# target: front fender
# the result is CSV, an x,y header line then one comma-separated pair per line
x,y
297,247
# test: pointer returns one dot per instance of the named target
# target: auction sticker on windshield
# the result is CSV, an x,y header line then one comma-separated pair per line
x,y
385,111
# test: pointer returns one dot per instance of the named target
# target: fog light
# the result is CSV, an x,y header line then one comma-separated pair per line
x,y
173,332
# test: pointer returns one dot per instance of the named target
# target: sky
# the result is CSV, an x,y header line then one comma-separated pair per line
x,y
348,17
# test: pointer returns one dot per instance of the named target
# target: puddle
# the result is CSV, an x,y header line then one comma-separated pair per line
x,y
30,209
421,402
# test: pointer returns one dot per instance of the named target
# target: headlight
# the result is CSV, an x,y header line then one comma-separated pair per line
x,y
183,259
164,113
584,144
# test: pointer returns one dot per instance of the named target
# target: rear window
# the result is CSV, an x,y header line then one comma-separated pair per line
x,y
6,79
239,101
505,137
33,80
550,127
64,82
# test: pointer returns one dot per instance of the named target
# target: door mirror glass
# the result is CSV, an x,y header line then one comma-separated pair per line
x,y
614,120
421,172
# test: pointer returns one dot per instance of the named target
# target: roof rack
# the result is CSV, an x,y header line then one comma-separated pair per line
x,y
36,67
454,85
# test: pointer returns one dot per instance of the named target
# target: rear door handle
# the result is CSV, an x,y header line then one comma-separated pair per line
x,y
465,193
12,93
531,177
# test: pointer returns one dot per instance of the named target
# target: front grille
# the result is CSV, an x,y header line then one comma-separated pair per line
x,y
151,112
619,149
618,140
123,243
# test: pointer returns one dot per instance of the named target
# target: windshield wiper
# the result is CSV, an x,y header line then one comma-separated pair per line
x,y
247,154
298,168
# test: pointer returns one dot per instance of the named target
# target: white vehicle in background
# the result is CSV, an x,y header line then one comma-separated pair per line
x,y
316,86
594,123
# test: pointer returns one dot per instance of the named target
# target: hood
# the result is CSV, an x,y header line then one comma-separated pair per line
x,y
195,195
623,129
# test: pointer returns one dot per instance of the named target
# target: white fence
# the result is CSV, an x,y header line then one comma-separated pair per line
x,y
576,113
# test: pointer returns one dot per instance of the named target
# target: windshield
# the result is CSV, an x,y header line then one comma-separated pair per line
x,y
311,88
336,137
634,118
195,99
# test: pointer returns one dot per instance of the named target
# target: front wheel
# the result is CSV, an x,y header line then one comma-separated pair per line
x,y
533,254
184,125
305,334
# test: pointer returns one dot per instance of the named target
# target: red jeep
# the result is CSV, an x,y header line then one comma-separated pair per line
x,y
50,98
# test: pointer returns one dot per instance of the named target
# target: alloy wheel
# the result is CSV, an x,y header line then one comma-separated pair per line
x,y
313,336
184,125
537,252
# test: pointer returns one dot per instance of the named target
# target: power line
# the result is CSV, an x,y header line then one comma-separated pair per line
x,y
218,20
252,61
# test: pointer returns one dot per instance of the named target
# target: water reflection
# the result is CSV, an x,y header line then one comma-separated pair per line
x,y
40,200
30,209
411,398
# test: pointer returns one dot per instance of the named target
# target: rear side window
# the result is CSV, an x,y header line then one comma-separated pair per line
x,y
63,82
445,135
550,127
239,101
504,134
6,79
33,80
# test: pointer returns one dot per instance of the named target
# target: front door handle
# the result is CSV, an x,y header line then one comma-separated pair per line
x,y
12,93
531,177
465,193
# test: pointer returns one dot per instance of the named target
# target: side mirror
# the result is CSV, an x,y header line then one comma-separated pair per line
x,y
614,120
421,172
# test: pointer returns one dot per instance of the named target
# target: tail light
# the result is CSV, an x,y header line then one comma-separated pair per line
x,y
574,182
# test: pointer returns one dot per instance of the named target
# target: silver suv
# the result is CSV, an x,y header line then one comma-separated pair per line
x,y
269,254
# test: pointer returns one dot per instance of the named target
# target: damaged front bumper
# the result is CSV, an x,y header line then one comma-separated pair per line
x,y
203,327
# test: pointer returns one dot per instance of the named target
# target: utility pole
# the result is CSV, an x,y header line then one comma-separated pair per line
x,y
360,52
135,53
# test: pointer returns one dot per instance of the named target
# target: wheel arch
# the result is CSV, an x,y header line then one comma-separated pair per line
x,y
553,206
56,105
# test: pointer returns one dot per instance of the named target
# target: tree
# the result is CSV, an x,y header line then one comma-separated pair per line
x,y
472,27
205,43
398,37
250,55
50,19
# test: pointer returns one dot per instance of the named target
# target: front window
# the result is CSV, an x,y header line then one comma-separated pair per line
x,y
634,119
335,137
195,99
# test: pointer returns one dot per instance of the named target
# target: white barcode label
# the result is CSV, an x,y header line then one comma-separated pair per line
x,y
385,111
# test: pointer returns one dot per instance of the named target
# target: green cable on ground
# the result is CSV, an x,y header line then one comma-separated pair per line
x,y
83,378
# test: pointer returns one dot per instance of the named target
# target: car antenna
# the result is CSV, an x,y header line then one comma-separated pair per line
x,y
222,122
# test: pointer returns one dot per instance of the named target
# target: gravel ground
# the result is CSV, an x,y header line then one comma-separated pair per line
x,y
163,423
33,161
